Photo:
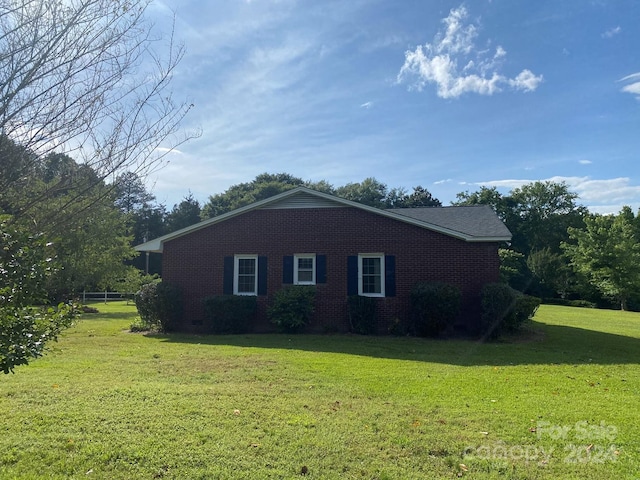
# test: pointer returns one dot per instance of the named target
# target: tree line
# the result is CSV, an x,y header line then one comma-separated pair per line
x,y
86,112
559,250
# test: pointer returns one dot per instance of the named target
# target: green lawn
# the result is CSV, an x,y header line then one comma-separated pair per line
x,y
562,401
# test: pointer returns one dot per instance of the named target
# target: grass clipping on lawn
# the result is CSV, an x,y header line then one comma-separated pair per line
x,y
561,402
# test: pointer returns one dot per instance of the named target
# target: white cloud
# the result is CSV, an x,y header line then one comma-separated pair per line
x,y
612,32
367,105
606,194
633,84
437,63
585,162
632,88
633,76
526,81
168,150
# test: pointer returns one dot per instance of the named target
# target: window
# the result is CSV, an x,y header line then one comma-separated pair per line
x,y
304,269
371,278
245,280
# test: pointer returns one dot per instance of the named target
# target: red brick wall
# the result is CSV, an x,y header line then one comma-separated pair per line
x,y
195,261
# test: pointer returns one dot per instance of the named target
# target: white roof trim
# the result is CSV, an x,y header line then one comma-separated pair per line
x,y
156,244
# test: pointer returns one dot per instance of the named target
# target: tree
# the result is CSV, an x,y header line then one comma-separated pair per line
x,y
420,197
263,186
607,252
552,271
130,193
92,252
85,77
368,192
25,328
541,214
538,215
186,213
486,196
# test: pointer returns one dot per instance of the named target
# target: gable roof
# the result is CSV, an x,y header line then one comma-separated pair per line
x,y
471,224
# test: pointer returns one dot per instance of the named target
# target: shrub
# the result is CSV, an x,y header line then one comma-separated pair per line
x,y
292,307
160,306
524,310
138,326
362,314
435,307
229,313
505,309
569,303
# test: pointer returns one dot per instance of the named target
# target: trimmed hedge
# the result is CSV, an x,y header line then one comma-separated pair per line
x,y
160,306
229,314
505,309
362,314
292,307
569,303
435,307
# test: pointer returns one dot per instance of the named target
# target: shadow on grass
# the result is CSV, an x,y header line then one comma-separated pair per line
x,y
543,344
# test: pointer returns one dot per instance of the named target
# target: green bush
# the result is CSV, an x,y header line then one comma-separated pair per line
x,y
229,314
524,309
138,326
435,307
569,303
292,307
362,314
505,309
160,306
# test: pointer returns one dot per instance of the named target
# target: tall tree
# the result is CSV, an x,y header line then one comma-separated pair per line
x,y
368,192
85,77
538,215
263,186
183,214
607,252
131,193
92,245
486,196
541,213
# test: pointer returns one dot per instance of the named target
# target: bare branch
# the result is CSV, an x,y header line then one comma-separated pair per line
x,y
85,77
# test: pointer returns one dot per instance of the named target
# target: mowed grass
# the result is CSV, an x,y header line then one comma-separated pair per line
x,y
560,401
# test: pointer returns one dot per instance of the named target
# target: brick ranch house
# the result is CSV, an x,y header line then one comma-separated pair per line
x,y
342,247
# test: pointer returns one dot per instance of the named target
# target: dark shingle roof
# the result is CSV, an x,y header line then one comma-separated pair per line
x,y
476,223
471,220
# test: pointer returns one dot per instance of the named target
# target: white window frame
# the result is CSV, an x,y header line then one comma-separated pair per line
x,y
236,274
300,256
379,256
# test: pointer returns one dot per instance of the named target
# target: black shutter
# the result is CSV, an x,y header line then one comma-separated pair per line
x,y
287,269
227,280
390,276
262,275
352,275
321,269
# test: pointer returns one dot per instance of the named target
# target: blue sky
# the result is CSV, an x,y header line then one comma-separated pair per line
x,y
447,95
